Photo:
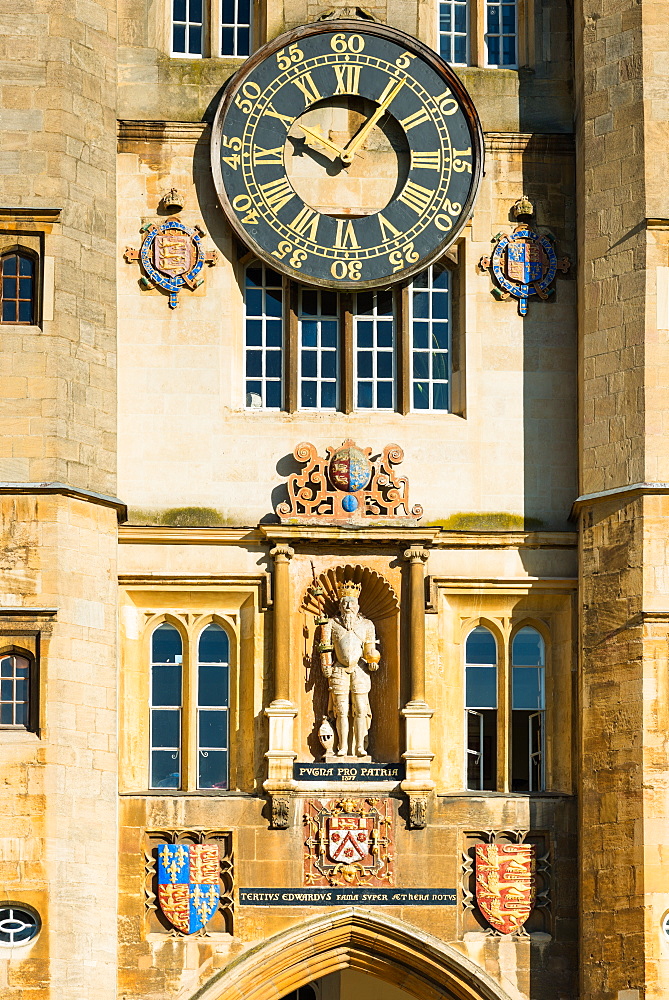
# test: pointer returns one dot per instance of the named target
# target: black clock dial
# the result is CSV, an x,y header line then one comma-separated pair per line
x,y
346,154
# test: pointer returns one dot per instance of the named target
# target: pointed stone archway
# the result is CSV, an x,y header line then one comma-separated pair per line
x,y
381,946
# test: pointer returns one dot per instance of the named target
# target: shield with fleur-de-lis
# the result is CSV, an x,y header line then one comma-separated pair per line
x,y
188,884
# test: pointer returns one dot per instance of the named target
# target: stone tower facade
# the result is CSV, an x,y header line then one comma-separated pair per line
x,y
151,528
59,513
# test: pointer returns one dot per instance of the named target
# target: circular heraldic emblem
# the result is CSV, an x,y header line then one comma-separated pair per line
x,y
346,154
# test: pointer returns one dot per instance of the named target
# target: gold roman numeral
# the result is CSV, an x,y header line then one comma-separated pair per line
x,y
388,231
346,238
267,157
277,193
348,78
306,84
306,223
417,118
416,197
425,161
286,119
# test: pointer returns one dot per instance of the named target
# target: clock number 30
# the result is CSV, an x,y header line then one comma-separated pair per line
x,y
346,269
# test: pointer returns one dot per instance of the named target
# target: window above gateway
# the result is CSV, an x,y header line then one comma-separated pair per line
x,y
479,33
219,28
376,351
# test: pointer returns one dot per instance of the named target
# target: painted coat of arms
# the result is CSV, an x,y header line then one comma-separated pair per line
x,y
188,884
505,884
524,263
348,485
171,256
349,842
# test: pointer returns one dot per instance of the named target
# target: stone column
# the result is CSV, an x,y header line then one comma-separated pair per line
x,y
281,713
417,755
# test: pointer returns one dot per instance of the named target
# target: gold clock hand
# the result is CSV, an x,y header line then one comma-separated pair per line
x,y
322,138
349,152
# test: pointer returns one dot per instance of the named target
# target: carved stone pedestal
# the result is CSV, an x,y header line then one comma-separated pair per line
x,y
280,757
418,783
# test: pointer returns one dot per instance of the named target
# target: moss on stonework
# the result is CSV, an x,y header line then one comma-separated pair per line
x,y
191,517
487,521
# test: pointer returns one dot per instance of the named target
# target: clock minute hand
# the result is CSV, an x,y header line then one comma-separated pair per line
x,y
349,152
323,139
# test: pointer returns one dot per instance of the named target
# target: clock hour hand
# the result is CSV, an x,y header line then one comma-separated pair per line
x,y
323,139
357,140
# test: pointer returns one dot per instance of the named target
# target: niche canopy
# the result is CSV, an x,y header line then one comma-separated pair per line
x,y
346,154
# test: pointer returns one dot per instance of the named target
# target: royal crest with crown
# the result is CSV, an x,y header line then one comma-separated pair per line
x,y
524,263
349,842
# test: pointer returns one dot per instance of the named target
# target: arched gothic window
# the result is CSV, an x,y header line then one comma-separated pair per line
x,y
527,710
166,706
213,686
481,708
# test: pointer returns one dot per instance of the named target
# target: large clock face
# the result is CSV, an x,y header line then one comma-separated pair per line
x,y
346,154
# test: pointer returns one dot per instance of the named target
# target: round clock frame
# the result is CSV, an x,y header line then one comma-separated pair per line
x,y
393,73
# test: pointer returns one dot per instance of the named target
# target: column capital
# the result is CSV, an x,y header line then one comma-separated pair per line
x,y
282,553
416,554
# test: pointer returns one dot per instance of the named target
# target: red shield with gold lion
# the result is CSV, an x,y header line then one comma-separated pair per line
x,y
505,884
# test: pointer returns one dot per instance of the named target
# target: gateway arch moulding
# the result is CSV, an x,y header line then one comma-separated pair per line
x,y
382,946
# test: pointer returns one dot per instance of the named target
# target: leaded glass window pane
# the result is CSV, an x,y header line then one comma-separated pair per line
x,y
263,300
374,350
187,28
430,321
454,31
166,706
501,34
213,686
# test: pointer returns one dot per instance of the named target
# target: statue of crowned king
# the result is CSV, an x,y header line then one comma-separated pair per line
x,y
348,656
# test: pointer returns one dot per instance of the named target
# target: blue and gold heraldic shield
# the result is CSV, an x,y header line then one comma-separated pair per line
x,y
188,884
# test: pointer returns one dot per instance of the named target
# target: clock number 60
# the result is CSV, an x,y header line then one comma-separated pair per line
x,y
286,57
343,43
251,92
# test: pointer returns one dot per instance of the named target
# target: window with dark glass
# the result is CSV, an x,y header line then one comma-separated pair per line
x,y
374,346
527,711
481,709
17,291
318,338
311,349
213,686
166,706
430,321
501,33
454,31
14,691
263,301
236,27
187,28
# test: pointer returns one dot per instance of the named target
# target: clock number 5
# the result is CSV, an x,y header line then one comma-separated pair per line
x,y
285,57
251,92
